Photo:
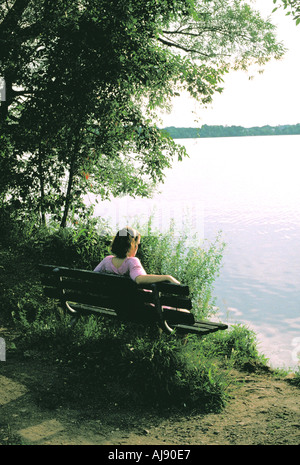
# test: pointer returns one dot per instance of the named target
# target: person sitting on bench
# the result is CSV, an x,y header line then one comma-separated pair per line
x,y
124,262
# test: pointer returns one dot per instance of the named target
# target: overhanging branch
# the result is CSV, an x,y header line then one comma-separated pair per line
x,y
170,43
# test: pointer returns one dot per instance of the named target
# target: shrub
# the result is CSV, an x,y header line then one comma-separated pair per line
x,y
193,262
236,346
164,372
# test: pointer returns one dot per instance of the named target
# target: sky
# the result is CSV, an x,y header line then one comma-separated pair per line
x,y
271,98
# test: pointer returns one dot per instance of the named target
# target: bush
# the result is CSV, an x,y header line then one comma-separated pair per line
x,y
166,373
236,346
194,263
78,246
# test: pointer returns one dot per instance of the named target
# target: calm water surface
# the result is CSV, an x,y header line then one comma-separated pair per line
x,y
249,189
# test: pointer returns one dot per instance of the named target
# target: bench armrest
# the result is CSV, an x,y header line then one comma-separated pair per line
x,y
162,322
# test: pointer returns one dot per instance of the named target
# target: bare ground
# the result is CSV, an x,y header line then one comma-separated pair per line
x,y
42,404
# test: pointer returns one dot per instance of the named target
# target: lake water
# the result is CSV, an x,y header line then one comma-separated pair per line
x,y
249,189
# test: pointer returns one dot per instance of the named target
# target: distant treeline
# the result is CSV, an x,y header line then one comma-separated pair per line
x,y
232,131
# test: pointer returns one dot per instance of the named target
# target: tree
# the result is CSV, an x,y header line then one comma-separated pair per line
x,y
83,82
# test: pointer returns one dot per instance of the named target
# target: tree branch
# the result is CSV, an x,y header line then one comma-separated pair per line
x,y
22,92
182,32
13,16
181,47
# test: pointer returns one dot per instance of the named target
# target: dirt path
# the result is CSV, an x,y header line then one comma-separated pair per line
x,y
40,405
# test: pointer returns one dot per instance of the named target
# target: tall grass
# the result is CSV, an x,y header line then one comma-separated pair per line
x,y
192,261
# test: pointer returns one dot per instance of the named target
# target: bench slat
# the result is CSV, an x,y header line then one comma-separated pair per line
x,y
85,275
196,329
84,287
168,288
85,309
89,299
211,324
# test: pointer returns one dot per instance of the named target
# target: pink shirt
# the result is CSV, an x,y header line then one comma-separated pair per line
x,y
131,266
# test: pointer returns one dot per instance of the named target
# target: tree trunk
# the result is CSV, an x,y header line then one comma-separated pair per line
x,y
70,184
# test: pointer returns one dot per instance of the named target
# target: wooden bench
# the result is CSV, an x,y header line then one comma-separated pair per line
x,y
83,292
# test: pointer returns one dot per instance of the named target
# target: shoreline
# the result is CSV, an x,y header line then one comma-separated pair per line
x,y
279,348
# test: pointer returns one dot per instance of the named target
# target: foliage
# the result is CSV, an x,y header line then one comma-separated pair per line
x,y
293,7
82,245
83,82
166,372
296,381
237,345
192,261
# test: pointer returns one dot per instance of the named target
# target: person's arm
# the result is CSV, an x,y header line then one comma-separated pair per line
x,y
155,278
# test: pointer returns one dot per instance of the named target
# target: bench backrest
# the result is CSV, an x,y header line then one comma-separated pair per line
x,y
110,291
